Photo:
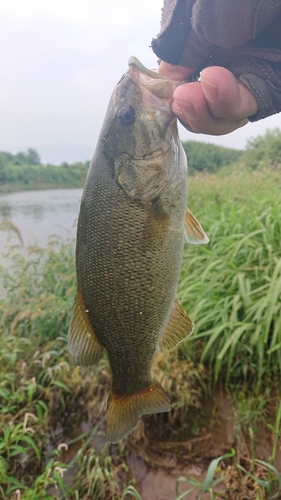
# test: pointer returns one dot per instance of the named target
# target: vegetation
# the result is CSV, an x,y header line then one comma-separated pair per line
x,y
204,157
24,171
224,382
260,152
233,285
264,151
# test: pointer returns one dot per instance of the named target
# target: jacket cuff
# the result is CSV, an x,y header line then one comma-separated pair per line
x,y
267,92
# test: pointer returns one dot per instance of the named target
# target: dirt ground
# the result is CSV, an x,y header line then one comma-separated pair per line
x,y
158,461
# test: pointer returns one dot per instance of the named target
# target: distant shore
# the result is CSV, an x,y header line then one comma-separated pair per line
x,y
17,187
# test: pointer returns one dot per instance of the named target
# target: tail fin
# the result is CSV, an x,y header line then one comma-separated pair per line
x,y
123,412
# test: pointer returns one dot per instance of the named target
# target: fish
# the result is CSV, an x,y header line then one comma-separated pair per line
x,y
130,238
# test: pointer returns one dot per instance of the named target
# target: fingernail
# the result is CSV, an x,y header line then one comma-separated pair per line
x,y
185,109
210,90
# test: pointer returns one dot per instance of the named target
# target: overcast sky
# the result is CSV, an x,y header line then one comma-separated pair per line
x,y
60,61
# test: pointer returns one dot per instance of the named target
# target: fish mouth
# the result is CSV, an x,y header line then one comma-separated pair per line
x,y
133,61
160,85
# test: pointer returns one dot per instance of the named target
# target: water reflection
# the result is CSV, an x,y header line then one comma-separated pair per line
x,y
38,214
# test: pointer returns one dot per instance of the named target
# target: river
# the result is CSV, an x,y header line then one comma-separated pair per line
x,y
39,214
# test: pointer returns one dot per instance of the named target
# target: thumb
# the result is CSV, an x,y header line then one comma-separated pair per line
x,y
227,98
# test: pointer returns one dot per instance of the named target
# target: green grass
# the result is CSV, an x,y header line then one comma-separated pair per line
x,y
232,286
38,286
232,290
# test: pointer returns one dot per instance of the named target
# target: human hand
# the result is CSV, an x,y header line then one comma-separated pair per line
x,y
216,105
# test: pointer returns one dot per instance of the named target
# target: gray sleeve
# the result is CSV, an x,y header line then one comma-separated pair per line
x,y
241,35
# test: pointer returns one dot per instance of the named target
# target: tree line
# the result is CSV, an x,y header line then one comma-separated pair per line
x,y
24,170
260,152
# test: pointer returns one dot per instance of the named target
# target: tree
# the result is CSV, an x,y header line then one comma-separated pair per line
x,y
264,150
202,156
32,157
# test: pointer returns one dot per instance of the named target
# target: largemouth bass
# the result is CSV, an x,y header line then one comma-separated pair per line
x,y
130,239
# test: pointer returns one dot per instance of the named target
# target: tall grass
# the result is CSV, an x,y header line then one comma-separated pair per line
x,y
41,394
232,287
37,289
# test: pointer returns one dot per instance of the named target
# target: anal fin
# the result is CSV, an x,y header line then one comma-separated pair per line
x,y
123,411
83,345
180,326
193,230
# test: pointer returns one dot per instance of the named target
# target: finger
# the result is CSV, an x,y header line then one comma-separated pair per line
x,y
176,72
191,107
226,97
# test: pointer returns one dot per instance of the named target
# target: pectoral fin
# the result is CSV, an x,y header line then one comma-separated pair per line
x,y
193,230
83,344
180,326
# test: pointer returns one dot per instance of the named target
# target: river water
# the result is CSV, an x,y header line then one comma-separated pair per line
x,y
40,214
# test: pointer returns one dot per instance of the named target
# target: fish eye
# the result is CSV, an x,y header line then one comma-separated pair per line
x,y
126,115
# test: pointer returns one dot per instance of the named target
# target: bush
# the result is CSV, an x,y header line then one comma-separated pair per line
x,y
263,151
208,157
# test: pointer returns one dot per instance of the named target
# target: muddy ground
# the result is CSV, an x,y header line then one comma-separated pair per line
x,y
158,459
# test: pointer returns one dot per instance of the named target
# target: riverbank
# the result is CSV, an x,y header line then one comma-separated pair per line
x,y
224,382
21,187
24,172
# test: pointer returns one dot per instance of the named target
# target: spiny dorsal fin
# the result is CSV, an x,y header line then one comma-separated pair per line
x,y
180,326
123,411
83,344
193,230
